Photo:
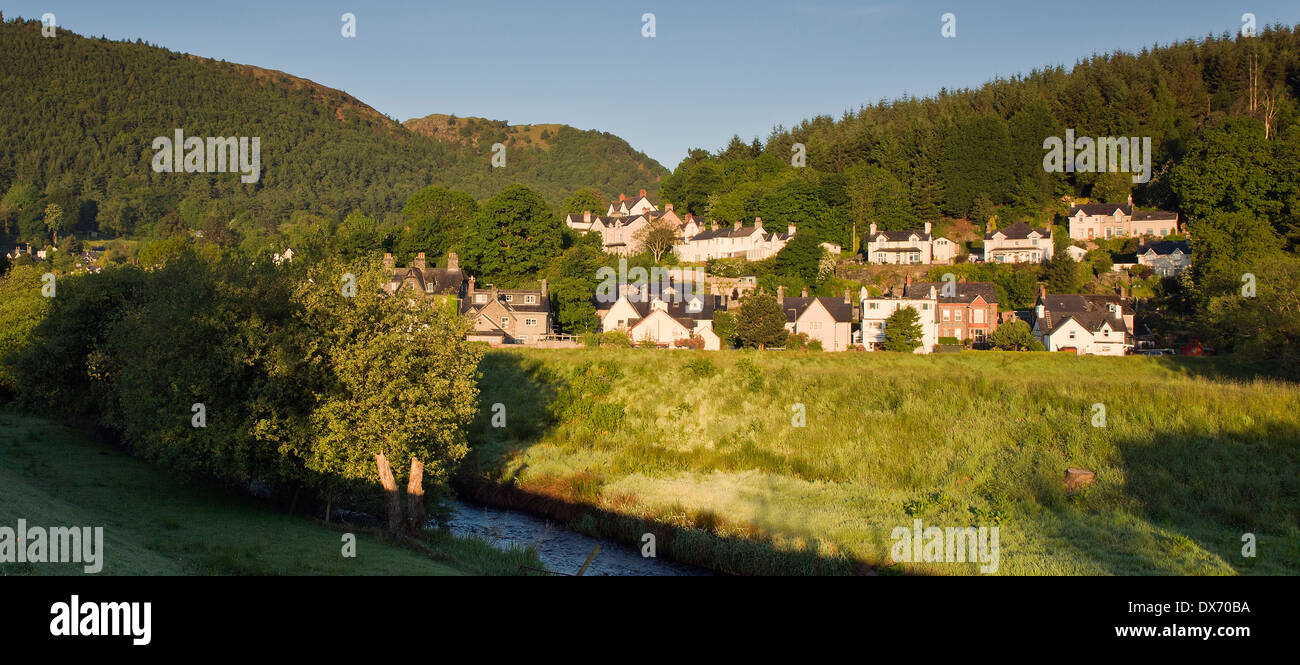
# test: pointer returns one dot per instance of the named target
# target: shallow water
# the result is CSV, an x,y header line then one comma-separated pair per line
x,y
561,549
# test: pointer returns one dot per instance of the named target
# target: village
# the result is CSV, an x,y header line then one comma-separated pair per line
x,y
677,307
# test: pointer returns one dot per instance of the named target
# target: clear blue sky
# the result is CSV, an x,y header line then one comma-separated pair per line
x,y
714,67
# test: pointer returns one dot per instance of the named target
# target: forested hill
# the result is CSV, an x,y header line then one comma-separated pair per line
x,y
969,153
79,115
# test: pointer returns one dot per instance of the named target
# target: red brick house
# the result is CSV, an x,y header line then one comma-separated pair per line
x,y
967,311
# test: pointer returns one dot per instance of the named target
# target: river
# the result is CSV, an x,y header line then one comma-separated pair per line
x,y
561,549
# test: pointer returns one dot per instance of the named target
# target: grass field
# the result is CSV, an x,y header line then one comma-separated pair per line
x,y
704,446
156,523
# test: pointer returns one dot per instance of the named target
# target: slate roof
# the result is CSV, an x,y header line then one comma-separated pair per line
x,y
900,236
1092,209
1089,310
841,311
1017,231
966,292
1149,215
1165,247
444,281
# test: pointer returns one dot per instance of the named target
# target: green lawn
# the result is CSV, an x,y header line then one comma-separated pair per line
x,y
1188,461
156,523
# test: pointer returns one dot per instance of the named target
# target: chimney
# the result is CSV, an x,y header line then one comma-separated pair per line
x,y
642,195
790,231
1042,290
1039,311
419,261
908,280
453,261
872,230
846,297
545,292
927,228
668,207
780,295
758,223
494,292
469,293
1130,199
805,292
388,259
1118,311
713,225
586,216
622,197
736,226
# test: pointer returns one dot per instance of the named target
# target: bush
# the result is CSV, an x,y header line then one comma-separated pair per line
x,y
797,342
815,345
701,368
953,341
615,339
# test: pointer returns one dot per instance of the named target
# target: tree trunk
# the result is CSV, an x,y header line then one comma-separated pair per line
x,y
390,488
415,497
329,502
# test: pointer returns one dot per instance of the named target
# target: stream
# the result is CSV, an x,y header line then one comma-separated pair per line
x,y
560,548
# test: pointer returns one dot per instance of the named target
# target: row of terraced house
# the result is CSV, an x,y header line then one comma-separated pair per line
x,y
683,312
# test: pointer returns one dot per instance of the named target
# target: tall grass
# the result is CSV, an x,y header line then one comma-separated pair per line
x,y
1190,458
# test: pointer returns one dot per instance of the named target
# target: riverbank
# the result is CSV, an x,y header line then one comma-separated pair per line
x,y
761,463
156,523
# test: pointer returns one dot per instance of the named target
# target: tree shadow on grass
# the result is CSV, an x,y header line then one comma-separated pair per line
x,y
1192,495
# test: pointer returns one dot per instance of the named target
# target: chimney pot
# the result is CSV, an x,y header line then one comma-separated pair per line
x,y
927,227
643,193
805,292
780,295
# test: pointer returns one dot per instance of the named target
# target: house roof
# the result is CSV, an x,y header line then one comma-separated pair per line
x,y
900,236
1165,247
1098,209
1058,308
442,280
966,292
1154,215
733,232
1017,231
794,308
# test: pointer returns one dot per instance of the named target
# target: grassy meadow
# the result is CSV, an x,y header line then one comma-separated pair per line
x,y
156,523
701,448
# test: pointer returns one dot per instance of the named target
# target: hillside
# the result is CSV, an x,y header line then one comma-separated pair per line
x,y
83,113
715,463
975,153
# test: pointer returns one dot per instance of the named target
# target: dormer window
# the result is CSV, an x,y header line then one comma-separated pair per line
x,y
530,300
509,298
480,298
695,306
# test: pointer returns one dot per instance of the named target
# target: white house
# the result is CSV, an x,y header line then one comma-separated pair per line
x,y
875,310
1018,243
753,243
1099,325
908,247
1167,257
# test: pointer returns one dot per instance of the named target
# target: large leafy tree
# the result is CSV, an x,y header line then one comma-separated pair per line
x,y
801,258
401,384
1014,336
573,285
22,307
583,200
513,236
433,219
760,322
903,330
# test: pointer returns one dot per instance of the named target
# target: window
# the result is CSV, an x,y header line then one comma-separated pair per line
x,y
956,315
505,322
530,322
509,298
480,298
530,300
874,305
977,315
947,315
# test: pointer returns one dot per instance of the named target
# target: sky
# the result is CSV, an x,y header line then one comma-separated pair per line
x,y
712,68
